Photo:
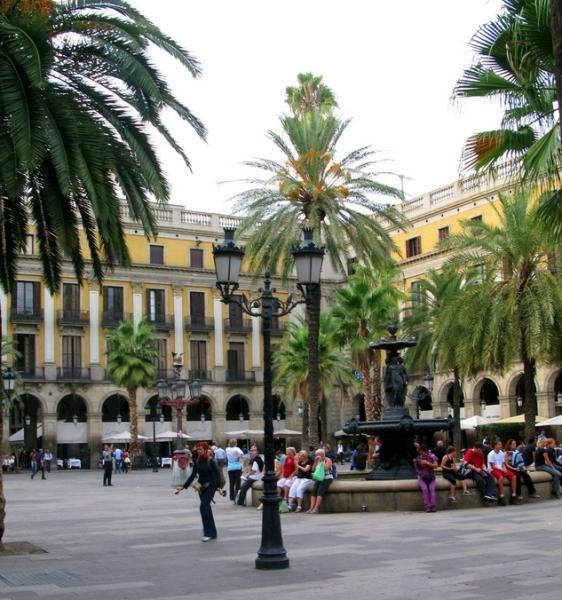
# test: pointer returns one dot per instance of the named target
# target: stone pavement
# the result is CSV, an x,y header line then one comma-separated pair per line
x,y
137,540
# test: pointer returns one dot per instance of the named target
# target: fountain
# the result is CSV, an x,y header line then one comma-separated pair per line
x,y
397,429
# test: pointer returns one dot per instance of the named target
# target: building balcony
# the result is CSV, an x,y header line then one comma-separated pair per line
x,y
200,374
160,322
165,374
30,316
31,373
279,329
114,319
199,323
73,374
80,318
240,377
238,325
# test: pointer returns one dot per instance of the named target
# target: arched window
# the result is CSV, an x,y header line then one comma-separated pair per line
x,y
156,410
72,408
200,411
115,408
278,408
237,409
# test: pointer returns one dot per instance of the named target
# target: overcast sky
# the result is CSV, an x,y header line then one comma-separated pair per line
x,y
391,64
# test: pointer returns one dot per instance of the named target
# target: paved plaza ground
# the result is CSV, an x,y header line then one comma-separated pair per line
x,y
137,540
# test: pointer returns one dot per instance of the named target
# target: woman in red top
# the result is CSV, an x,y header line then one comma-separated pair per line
x,y
288,472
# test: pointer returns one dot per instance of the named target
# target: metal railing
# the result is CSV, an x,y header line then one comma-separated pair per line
x,y
114,319
238,325
73,373
18,315
240,376
162,322
73,317
201,374
199,323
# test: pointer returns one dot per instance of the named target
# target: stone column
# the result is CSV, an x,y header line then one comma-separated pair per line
x,y
49,340
94,437
219,426
508,406
471,407
178,319
219,353
137,303
546,406
96,371
50,434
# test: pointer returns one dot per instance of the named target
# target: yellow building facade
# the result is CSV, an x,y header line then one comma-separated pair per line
x,y
436,215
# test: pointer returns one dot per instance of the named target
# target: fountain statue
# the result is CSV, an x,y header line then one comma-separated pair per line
x,y
397,429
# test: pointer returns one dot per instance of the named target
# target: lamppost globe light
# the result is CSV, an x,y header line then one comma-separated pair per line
x,y
428,380
27,420
308,260
195,388
559,397
228,262
519,401
75,419
202,417
162,387
161,417
9,379
119,418
482,407
241,417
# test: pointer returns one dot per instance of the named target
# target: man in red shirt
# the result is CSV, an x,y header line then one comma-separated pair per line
x,y
476,462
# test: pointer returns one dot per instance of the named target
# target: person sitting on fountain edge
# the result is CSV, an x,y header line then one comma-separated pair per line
x,y
476,462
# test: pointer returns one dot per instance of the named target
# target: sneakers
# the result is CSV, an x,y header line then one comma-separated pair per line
x,y
490,498
467,493
452,499
534,496
206,538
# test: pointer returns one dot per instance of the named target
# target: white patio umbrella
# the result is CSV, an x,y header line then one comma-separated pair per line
x,y
245,433
169,436
475,421
18,435
286,432
552,421
121,437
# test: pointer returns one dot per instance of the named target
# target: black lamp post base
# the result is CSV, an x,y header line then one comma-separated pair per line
x,y
272,562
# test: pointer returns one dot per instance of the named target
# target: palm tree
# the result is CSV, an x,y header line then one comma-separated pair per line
x,y
79,93
513,313
515,64
130,364
362,311
438,332
291,364
309,95
333,197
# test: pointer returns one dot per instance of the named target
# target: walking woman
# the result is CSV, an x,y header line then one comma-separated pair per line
x,y
425,464
234,468
208,475
107,458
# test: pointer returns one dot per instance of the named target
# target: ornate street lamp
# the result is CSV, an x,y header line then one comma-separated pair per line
x,y
228,263
174,395
519,401
428,380
148,412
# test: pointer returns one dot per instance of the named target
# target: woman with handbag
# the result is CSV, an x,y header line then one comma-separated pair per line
x,y
425,464
322,475
453,474
208,476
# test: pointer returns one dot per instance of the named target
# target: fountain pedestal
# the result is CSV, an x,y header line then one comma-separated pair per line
x,y
397,429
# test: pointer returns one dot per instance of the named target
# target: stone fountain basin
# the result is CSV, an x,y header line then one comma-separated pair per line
x,y
349,495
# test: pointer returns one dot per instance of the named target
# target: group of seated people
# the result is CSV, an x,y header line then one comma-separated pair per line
x,y
299,472
489,466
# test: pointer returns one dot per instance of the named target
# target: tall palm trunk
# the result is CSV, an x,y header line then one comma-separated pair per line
x,y
2,396
556,29
457,390
134,445
375,356
367,385
530,399
313,309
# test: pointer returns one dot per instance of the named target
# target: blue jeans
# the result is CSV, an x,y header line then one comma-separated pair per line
x,y
209,529
555,485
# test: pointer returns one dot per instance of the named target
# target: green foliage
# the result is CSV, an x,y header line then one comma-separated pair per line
x,y
310,94
291,361
515,64
130,360
308,185
78,95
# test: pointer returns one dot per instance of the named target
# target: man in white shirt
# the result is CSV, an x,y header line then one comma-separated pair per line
x,y
255,474
498,469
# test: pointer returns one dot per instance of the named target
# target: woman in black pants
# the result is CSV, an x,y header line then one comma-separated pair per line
x,y
107,457
208,475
